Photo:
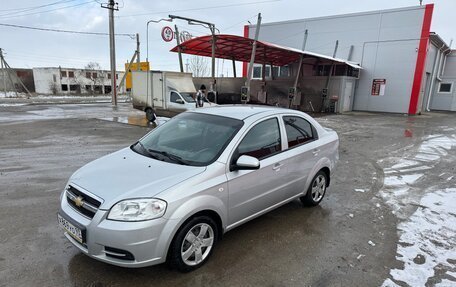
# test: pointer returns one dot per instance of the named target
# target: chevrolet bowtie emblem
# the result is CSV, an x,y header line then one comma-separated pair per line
x,y
78,201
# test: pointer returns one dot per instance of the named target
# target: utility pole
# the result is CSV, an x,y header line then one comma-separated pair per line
x,y
3,71
138,59
112,48
6,66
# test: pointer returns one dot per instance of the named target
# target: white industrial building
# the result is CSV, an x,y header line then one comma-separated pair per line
x,y
405,67
57,80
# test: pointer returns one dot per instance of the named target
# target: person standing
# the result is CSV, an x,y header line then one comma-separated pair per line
x,y
200,96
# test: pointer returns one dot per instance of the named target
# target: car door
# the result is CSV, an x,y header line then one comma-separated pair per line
x,y
301,152
176,103
253,191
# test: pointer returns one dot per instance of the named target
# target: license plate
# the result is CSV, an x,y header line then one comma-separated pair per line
x,y
72,230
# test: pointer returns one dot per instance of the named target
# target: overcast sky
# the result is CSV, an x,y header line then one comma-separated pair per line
x,y
29,48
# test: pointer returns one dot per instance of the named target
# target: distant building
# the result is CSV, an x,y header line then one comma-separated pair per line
x,y
57,80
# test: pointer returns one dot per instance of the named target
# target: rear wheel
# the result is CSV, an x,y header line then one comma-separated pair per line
x,y
193,244
150,115
316,191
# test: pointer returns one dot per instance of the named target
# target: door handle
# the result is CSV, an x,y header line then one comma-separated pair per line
x,y
277,166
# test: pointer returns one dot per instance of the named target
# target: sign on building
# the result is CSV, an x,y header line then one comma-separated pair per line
x,y
378,87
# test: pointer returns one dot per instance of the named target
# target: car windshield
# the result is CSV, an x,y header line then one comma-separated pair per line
x,y
188,97
189,138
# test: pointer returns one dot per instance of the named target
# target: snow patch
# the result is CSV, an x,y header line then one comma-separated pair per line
x,y
428,236
402,179
430,233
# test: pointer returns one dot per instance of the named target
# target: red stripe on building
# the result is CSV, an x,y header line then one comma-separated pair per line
x,y
421,59
244,64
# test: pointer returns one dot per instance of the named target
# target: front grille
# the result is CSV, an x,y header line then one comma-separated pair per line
x,y
118,253
82,202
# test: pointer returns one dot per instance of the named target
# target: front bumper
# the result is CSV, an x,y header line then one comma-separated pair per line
x,y
146,241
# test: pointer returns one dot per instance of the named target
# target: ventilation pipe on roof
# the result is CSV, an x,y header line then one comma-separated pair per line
x,y
445,54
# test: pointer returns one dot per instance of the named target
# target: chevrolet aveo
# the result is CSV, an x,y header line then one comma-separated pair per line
x,y
174,193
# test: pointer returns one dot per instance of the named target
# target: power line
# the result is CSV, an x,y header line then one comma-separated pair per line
x,y
25,9
238,23
132,36
46,11
200,8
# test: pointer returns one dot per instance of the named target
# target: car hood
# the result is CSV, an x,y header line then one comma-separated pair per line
x,y
126,174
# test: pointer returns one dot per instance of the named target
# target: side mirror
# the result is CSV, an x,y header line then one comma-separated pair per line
x,y
180,101
246,162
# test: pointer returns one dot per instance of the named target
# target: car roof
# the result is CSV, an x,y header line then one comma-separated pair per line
x,y
240,111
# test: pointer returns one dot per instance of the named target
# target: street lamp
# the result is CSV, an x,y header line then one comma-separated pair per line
x,y
211,27
147,54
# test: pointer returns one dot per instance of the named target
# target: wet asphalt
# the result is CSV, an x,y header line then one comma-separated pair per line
x,y
328,245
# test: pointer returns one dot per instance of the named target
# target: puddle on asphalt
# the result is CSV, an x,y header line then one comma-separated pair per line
x,y
136,121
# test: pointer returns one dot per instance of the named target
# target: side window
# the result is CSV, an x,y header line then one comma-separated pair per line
x,y
298,131
174,97
262,140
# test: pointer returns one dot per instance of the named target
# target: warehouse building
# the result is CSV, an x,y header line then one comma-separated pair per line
x,y
405,67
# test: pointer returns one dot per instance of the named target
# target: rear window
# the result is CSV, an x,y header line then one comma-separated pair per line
x,y
299,131
262,140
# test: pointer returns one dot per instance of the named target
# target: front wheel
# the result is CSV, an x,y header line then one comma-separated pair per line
x,y
150,115
316,191
193,244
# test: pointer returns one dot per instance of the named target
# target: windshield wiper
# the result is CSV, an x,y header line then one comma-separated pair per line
x,y
148,153
171,156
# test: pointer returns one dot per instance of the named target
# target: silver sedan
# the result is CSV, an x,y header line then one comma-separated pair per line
x,y
172,195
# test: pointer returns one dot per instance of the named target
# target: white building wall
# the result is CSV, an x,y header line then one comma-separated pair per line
x,y
47,78
385,44
445,101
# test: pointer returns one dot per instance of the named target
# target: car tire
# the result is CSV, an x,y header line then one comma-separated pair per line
x,y
150,115
316,190
193,244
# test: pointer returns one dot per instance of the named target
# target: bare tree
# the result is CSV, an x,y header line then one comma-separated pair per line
x,y
199,66
94,72
53,87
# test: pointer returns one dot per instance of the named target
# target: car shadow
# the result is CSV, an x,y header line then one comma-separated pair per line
x,y
240,250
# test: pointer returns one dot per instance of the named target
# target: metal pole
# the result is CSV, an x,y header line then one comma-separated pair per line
x,y
112,49
147,57
3,72
234,68
328,80
300,60
179,52
128,69
148,66
138,59
252,57
213,52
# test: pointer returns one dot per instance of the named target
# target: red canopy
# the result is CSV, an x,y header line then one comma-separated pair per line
x,y
239,48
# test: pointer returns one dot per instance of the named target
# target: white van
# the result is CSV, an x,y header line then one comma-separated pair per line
x,y
170,93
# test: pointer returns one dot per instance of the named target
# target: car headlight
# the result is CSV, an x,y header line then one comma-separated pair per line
x,y
137,209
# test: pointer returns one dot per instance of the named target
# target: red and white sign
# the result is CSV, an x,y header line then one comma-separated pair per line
x,y
167,34
378,87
